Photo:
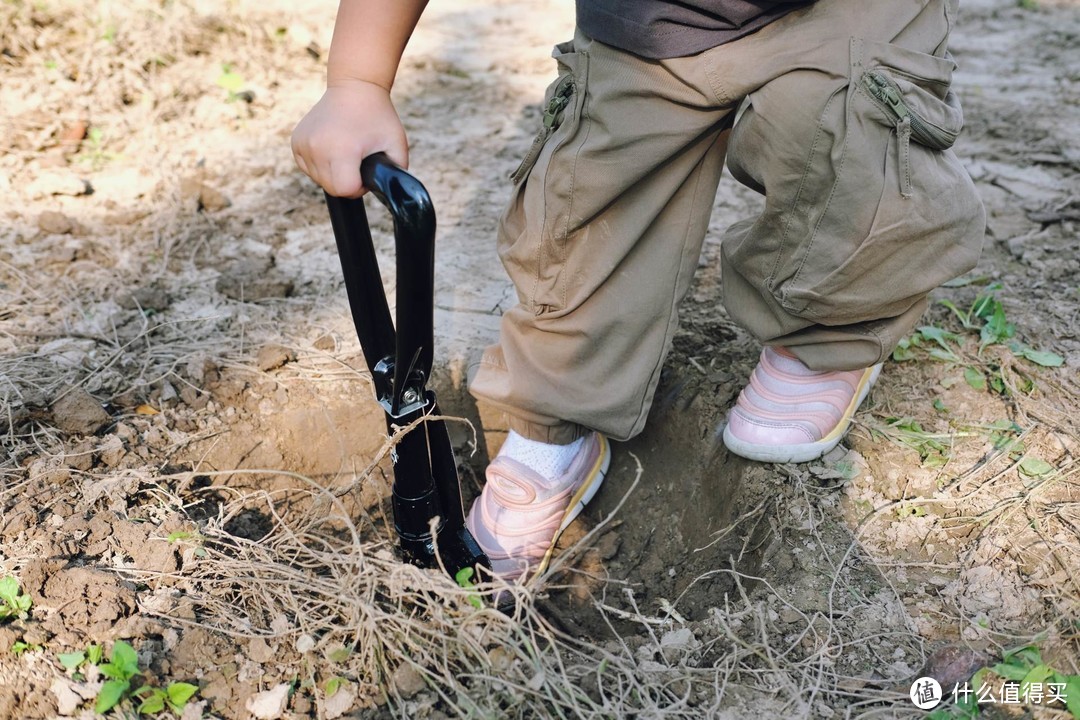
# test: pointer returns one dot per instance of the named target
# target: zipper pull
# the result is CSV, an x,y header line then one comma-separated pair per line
x,y
558,102
883,90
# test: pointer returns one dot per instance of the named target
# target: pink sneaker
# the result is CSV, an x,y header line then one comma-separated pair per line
x,y
519,515
790,413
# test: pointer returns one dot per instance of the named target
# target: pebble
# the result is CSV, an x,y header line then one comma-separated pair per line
x,y
271,357
407,681
269,704
59,183
78,412
54,222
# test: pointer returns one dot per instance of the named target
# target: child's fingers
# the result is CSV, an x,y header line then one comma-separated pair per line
x,y
343,178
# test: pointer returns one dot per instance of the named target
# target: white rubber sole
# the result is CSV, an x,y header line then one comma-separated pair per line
x,y
805,452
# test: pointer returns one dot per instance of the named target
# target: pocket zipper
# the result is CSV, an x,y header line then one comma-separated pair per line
x,y
888,95
908,123
560,99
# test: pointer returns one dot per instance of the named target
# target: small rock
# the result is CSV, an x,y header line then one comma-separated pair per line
x,y
202,195
608,545
252,288
194,711
272,357
112,451
67,700
212,200
59,183
78,412
326,343
269,704
8,637
168,393
55,223
676,643
340,702
148,298
72,135
80,457
952,664
305,643
260,651
67,352
407,681
34,634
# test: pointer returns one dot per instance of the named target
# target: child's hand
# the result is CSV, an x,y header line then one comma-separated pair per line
x,y
350,122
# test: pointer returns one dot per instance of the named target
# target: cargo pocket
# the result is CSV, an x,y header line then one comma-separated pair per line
x,y
902,215
533,228
560,99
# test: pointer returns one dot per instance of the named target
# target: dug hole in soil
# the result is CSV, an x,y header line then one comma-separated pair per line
x,y
193,461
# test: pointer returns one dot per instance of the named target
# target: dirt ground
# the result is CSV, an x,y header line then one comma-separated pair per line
x,y
191,460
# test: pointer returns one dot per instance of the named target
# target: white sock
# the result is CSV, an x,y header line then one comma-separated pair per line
x,y
546,459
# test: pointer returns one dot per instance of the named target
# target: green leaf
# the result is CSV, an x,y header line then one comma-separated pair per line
x,y
110,694
333,685
180,693
939,405
111,670
1035,676
1035,467
1026,655
1011,672
935,460
125,659
963,282
903,351
1041,357
944,355
1072,694
974,378
464,578
965,320
997,329
938,335
229,80
153,704
71,660
340,654
9,589
94,654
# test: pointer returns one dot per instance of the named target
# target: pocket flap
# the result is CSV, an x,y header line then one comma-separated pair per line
x,y
922,82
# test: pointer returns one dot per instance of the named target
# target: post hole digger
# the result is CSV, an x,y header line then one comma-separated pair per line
x,y
426,486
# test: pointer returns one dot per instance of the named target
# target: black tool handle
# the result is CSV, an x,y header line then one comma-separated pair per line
x,y
410,346
426,484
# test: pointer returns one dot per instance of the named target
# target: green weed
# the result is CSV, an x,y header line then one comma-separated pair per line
x,y
13,602
122,668
231,82
933,448
985,318
1023,677
331,686
20,646
175,696
122,671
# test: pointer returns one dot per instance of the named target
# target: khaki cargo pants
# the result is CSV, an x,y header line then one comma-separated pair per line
x,y
847,134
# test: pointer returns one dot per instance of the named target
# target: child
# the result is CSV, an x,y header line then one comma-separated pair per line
x,y
846,132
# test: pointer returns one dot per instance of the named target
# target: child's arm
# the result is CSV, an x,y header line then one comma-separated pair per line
x,y
355,117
